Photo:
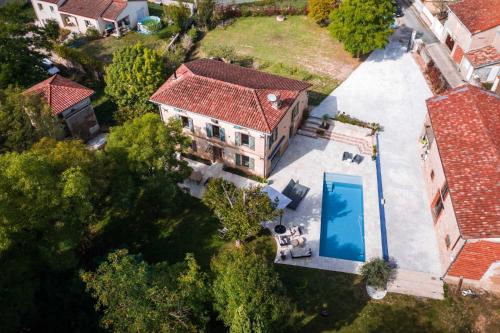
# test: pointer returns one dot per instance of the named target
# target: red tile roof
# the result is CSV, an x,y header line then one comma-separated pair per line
x,y
484,56
114,9
61,93
466,125
229,93
477,15
86,8
475,259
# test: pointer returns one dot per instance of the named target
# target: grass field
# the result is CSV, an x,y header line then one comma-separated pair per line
x,y
296,42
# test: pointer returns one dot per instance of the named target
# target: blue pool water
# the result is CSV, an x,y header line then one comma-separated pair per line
x,y
342,222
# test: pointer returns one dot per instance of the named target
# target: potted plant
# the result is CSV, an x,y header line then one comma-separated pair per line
x,y
376,274
324,121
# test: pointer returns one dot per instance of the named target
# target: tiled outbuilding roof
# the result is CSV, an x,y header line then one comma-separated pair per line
x,y
61,93
86,8
114,9
475,259
229,93
484,56
477,15
466,125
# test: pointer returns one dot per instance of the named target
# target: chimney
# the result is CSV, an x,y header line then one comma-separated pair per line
x,y
275,100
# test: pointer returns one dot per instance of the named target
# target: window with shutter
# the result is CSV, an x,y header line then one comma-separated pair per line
x,y
245,161
251,143
251,163
237,159
190,124
222,134
208,128
237,139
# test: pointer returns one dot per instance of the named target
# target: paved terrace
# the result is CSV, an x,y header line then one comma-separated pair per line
x,y
305,161
389,88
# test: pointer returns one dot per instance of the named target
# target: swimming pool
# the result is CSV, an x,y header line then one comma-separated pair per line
x,y
342,221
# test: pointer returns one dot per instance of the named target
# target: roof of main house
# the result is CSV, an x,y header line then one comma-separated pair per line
x,y
61,93
108,9
475,259
477,15
466,124
484,56
230,93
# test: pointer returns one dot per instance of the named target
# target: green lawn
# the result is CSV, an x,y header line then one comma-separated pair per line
x,y
296,48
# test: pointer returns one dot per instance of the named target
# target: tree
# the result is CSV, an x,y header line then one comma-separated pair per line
x,y
205,13
133,76
177,15
20,40
143,154
248,292
18,113
52,30
241,211
319,10
362,25
135,296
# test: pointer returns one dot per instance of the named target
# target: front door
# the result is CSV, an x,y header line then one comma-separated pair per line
x,y
216,153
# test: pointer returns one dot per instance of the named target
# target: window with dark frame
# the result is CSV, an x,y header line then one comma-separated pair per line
x,y
245,139
185,122
437,207
51,8
216,131
194,146
295,111
245,161
447,241
444,190
432,174
40,6
273,137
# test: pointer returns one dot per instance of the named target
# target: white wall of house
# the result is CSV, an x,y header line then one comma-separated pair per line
x,y
136,10
47,11
259,152
458,31
445,224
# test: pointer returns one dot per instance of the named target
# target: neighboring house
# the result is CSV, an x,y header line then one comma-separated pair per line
x,y
239,116
461,163
471,32
70,102
106,16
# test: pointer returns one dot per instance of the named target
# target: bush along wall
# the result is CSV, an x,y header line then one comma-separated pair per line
x,y
230,11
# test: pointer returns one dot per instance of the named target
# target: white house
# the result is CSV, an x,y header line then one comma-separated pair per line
x,y
106,16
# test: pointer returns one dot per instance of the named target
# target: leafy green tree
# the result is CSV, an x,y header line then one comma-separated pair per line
x,y
319,10
178,15
133,76
205,14
135,296
241,211
143,154
20,40
18,113
248,292
52,30
362,25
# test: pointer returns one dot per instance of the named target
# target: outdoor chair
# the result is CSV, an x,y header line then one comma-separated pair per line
x,y
283,240
295,231
295,192
347,157
357,159
300,253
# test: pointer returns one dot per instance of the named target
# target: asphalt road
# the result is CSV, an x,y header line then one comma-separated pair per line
x,y
411,20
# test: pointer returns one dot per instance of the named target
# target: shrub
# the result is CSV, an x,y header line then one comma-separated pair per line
x,y
345,118
187,42
177,15
319,10
152,25
52,30
92,33
224,52
193,33
376,273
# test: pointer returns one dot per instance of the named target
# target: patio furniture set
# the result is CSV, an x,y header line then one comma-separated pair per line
x,y
293,241
348,157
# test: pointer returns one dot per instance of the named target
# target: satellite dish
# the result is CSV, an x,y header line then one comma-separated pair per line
x,y
272,98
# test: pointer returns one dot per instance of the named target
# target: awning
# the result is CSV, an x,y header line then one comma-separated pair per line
x,y
274,195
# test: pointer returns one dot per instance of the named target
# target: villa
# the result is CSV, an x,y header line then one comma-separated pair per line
x,y
461,158
70,103
241,117
106,16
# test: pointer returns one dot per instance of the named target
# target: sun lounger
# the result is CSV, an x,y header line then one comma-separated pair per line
x,y
300,253
357,159
295,192
347,156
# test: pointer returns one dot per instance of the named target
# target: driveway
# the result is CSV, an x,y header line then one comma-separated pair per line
x,y
389,88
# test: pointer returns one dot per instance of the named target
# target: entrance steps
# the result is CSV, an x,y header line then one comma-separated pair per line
x,y
416,284
311,128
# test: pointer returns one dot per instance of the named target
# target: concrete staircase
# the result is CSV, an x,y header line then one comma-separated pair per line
x,y
311,128
417,284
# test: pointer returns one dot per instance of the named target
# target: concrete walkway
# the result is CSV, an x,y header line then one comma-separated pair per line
x,y
389,88
447,67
